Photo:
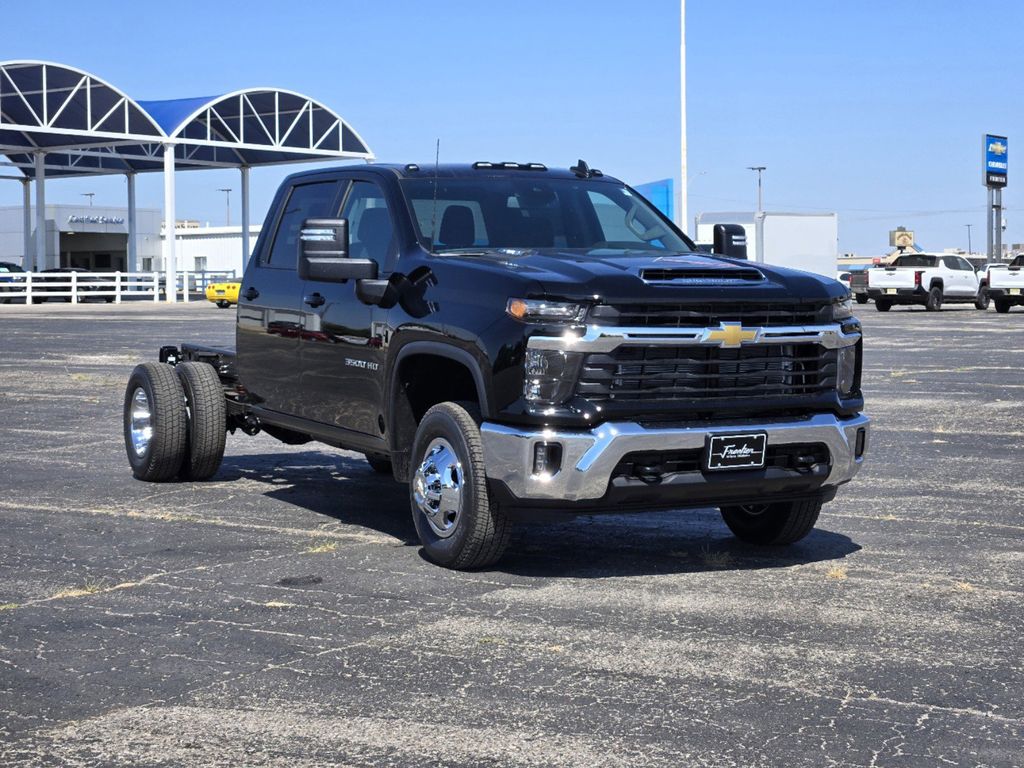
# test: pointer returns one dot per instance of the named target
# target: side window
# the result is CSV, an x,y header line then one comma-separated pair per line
x,y
371,234
965,264
305,201
950,262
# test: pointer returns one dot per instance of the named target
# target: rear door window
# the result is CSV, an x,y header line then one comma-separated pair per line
x,y
317,200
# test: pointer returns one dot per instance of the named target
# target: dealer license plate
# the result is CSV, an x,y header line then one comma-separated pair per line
x,y
219,292
736,451
890,290
1015,291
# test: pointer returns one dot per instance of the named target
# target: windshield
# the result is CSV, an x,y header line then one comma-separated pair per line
x,y
472,214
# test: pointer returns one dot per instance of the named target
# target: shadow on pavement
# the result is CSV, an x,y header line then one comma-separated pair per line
x,y
603,546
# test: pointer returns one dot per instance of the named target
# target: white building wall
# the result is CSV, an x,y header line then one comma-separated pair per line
x,y
221,247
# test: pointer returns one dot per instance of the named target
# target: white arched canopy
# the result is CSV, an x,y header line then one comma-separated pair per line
x,y
57,120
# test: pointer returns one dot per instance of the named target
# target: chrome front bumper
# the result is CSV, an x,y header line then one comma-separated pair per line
x,y
590,456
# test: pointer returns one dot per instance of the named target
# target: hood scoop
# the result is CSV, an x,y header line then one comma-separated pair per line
x,y
701,276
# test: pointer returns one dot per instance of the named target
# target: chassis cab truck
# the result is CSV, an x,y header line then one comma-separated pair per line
x,y
516,342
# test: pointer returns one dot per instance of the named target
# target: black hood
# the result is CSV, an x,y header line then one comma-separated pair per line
x,y
624,275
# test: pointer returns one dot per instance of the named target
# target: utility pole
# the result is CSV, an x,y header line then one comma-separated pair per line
x,y
90,195
969,251
681,196
759,216
227,197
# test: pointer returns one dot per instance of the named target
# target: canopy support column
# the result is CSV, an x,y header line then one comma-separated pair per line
x,y
133,249
246,250
26,223
170,255
40,254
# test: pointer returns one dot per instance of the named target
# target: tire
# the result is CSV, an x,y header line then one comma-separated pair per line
x,y
862,298
780,523
158,458
1002,306
223,304
380,464
981,301
882,305
934,301
447,451
207,420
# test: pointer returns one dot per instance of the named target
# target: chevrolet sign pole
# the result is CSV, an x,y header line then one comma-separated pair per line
x,y
994,156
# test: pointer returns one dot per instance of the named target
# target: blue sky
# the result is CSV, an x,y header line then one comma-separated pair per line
x,y
874,110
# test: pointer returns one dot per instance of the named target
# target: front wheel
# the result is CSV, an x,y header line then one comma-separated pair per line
x,y
934,302
458,525
981,300
784,522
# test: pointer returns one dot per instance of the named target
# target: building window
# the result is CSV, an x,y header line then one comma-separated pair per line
x,y
147,263
200,263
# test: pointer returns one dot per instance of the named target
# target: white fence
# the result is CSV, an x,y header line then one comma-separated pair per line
x,y
115,287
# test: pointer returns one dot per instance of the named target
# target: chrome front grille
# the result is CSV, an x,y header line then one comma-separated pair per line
x,y
660,374
709,314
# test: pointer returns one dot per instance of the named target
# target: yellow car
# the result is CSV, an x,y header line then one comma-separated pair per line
x,y
223,294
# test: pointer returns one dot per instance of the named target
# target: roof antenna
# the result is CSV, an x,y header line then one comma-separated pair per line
x,y
433,215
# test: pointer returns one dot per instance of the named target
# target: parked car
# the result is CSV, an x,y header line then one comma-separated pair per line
x,y
859,285
59,280
10,279
924,278
1006,286
223,294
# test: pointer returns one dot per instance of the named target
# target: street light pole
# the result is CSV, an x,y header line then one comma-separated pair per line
x,y
90,195
759,216
969,250
227,197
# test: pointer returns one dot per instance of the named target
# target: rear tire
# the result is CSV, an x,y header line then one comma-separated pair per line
x,y
882,305
862,298
784,522
982,299
223,304
458,525
1002,306
379,464
207,420
155,431
934,302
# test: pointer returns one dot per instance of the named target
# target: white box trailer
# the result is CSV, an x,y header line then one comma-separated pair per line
x,y
807,241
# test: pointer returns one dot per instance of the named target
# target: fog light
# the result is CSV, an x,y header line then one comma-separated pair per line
x,y
860,444
547,458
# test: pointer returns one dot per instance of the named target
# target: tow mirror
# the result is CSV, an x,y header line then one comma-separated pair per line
x,y
731,241
323,253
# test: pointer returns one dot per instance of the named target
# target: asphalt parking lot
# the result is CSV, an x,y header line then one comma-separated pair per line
x,y
282,614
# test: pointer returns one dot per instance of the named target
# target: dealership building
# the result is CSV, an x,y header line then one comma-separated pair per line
x,y
96,238
57,121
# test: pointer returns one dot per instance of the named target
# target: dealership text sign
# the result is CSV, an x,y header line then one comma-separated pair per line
x,y
996,165
73,219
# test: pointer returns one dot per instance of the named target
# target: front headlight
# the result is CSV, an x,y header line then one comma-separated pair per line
x,y
842,309
550,375
543,311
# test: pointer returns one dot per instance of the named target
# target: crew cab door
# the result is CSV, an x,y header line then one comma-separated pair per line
x,y
270,300
342,354
960,278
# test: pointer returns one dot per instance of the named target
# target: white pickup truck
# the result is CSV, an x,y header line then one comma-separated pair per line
x,y
924,278
1006,286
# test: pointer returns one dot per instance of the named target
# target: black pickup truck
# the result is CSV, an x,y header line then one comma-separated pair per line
x,y
517,342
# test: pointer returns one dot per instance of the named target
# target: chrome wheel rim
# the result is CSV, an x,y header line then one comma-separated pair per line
x,y
141,422
437,488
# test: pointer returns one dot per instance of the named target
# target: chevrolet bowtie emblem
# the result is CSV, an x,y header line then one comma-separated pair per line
x,y
730,335
997,148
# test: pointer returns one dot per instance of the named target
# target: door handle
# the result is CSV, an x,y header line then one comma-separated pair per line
x,y
250,294
315,300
